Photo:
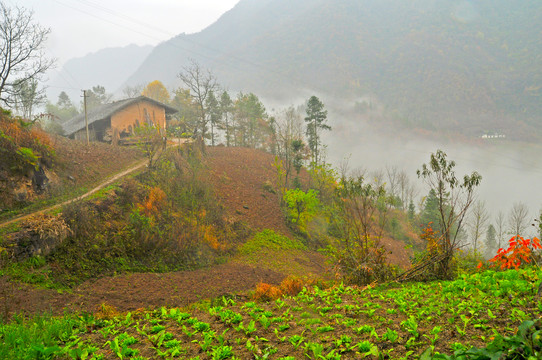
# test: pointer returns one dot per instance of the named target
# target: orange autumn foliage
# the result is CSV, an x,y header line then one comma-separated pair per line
x,y
428,234
155,201
210,237
519,251
16,135
267,292
291,286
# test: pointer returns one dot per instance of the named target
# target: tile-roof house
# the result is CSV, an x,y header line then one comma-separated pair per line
x,y
117,120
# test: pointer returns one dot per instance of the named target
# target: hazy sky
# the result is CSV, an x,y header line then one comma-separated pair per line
x,y
82,26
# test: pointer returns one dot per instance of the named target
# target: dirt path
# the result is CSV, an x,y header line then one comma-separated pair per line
x,y
116,177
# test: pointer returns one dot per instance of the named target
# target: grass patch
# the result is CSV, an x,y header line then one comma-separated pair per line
x,y
34,270
270,240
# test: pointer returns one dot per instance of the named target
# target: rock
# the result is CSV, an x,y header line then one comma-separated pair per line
x,y
40,180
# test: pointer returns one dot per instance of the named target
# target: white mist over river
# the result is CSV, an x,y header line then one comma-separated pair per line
x,y
511,171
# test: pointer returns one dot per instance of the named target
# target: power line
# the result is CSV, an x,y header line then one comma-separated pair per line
x,y
229,59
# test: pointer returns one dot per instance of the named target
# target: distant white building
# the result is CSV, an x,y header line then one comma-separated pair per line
x,y
493,136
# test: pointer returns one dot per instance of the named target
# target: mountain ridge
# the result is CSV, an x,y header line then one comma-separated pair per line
x,y
453,65
108,67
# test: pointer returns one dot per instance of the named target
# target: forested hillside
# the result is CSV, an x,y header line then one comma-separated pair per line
x,y
448,65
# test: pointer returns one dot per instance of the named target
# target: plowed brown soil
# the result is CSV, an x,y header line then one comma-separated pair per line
x,y
238,176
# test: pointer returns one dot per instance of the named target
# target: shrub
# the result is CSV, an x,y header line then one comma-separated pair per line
x,y
291,286
519,252
267,292
22,146
302,206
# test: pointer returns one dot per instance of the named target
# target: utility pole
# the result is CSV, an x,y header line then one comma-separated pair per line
x,y
86,118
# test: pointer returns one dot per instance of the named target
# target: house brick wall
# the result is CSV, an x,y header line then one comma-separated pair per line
x,y
137,114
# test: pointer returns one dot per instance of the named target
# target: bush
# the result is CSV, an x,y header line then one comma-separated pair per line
x,y
267,292
302,206
291,286
22,146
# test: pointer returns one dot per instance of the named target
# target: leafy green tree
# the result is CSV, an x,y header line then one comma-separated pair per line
x,y
454,199
301,206
251,126
430,213
97,96
316,121
186,118
59,113
63,110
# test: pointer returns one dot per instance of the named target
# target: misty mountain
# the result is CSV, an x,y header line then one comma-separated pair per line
x,y
468,66
107,67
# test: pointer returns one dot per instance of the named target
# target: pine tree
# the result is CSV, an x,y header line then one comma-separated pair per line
x,y
316,120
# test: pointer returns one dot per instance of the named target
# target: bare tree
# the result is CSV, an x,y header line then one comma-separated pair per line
x,y
378,177
200,83
133,91
21,50
500,226
399,187
477,223
518,219
27,97
288,127
392,175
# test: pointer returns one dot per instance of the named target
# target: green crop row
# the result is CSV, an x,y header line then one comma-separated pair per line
x,y
473,317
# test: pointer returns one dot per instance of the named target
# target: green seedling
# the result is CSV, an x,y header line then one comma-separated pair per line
x,y
323,329
390,335
411,325
364,329
280,338
366,347
249,329
222,353
296,340
265,321
316,349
